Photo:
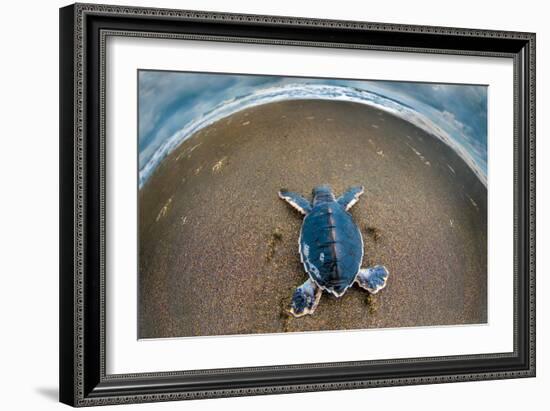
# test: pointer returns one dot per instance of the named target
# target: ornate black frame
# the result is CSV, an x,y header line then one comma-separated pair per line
x,y
83,30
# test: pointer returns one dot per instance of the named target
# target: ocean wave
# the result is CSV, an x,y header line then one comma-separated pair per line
x,y
308,92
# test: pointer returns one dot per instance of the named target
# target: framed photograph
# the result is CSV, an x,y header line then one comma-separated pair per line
x,y
261,204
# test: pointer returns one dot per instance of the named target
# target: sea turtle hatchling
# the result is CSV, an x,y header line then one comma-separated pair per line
x,y
331,248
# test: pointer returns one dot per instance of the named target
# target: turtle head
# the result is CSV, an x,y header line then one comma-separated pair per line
x,y
322,194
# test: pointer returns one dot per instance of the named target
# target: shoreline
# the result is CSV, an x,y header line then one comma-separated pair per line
x,y
456,147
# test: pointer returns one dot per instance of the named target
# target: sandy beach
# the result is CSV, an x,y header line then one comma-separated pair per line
x,y
218,250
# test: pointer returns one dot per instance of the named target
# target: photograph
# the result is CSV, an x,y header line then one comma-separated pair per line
x,y
287,200
278,204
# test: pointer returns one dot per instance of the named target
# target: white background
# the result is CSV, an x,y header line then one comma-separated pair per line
x,y
125,354
29,206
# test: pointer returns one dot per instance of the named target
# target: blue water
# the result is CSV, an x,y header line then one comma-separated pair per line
x,y
174,106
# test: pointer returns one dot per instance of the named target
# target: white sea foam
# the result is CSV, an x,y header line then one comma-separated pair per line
x,y
302,92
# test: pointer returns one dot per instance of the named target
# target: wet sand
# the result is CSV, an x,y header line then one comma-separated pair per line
x,y
218,250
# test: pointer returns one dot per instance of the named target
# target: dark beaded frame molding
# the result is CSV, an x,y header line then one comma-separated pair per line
x,y
83,32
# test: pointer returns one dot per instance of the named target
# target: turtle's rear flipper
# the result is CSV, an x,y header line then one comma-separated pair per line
x,y
305,299
373,279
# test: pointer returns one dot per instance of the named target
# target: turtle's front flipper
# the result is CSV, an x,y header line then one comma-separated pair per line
x,y
305,299
296,201
350,197
373,279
